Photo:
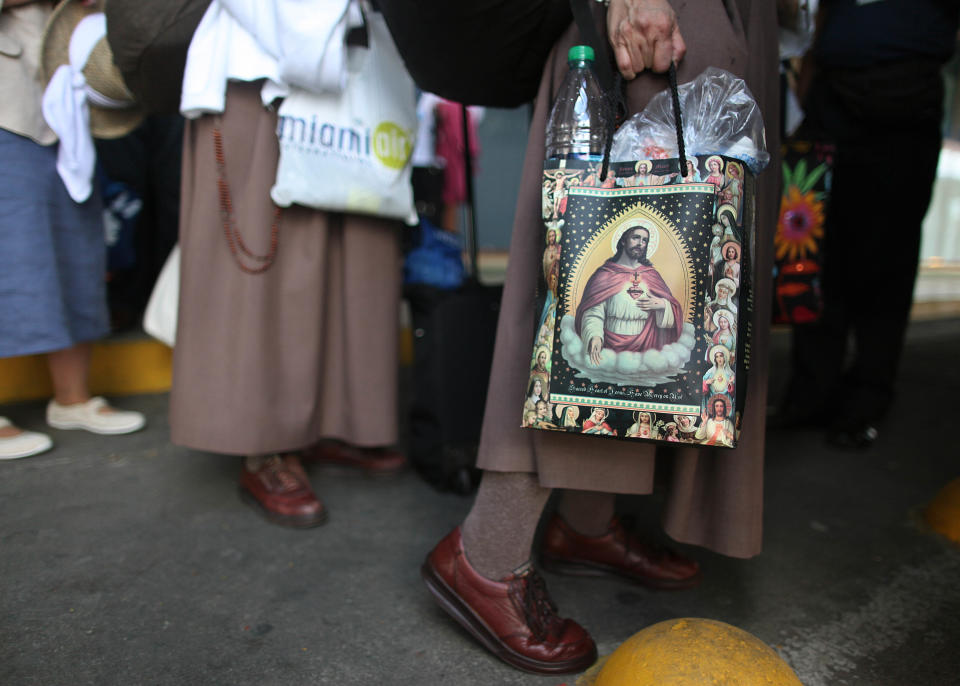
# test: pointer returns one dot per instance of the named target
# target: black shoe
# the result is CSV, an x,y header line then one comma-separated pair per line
x,y
856,438
461,481
464,481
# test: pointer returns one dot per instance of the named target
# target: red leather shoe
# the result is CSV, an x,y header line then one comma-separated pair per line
x,y
513,618
281,492
619,552
370,461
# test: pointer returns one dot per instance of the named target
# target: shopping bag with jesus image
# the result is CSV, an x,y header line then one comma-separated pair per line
x,y
644,287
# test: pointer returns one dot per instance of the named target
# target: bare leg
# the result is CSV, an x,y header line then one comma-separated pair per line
x,y
68,369
8,431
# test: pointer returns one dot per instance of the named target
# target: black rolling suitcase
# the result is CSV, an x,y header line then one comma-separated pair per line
x,y
453,336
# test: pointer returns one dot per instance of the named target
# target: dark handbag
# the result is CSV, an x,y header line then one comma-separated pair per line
x,y
476,52
149,40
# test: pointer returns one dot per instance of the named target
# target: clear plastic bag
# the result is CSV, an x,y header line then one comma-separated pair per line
x,y
720,117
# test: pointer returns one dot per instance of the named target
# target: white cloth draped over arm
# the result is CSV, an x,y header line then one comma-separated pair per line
x,y
306,37
66,110
221,49
287,42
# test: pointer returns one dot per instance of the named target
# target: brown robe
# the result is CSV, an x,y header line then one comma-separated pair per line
x,y
715,496
275,361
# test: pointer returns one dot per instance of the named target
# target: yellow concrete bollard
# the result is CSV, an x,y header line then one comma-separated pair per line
x,y
694,652
943,513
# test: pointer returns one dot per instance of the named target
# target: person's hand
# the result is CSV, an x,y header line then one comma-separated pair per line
x,y
644,35
594,347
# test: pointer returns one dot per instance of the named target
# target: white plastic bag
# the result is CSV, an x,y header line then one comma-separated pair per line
x,y
160,317
351,151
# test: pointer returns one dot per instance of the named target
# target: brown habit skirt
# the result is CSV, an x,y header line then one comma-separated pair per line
x,y
309,349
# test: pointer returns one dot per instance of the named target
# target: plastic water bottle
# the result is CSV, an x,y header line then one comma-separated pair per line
x,y
578,124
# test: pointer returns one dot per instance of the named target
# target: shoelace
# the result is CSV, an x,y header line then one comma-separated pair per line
x,y
278,468
539,611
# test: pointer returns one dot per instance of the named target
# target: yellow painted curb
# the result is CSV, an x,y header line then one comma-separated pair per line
x,y
116,368
692,652
943,513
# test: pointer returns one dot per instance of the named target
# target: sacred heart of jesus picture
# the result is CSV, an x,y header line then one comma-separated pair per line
x,y
642,296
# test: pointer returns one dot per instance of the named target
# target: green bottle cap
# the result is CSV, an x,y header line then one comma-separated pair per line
x,y
580,52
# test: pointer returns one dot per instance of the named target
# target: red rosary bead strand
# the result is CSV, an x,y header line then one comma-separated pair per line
x,y
230,231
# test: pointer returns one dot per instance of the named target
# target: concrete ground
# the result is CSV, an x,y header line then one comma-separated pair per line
x,y
130,561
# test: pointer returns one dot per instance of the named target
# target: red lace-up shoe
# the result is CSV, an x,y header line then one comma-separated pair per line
x,y
513,618
370,461
280,491
618,552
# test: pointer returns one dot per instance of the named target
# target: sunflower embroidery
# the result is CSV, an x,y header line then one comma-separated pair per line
x,y
800,225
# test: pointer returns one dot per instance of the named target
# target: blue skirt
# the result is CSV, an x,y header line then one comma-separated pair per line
x,y
52,255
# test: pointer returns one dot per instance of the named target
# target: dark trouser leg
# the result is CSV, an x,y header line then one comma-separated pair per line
x,y
819,348
873,231
871,248
880,285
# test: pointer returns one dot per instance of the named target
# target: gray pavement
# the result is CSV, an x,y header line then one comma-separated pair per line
x,y
127,560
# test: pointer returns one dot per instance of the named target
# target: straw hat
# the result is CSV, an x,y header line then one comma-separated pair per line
x,y
100,72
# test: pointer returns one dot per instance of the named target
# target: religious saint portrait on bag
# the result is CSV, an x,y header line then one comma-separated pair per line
x,y
568,416
628,301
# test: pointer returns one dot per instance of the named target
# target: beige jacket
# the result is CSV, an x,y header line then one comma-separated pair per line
x,y
21,29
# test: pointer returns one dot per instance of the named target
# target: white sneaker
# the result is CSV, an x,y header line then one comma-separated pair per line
x,y
23,444
87,416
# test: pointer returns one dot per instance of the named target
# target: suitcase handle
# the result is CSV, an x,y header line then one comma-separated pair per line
x,y
471,272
